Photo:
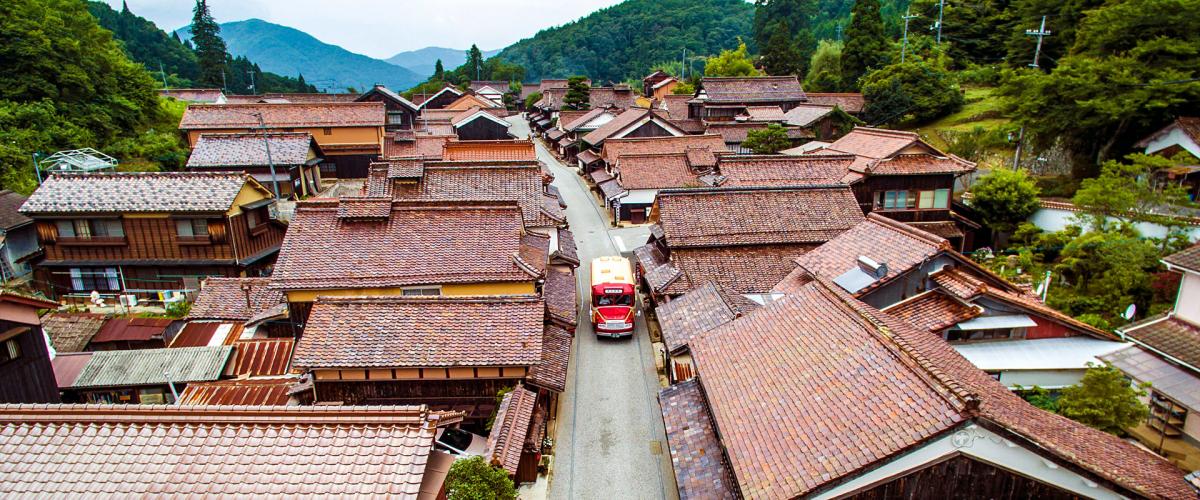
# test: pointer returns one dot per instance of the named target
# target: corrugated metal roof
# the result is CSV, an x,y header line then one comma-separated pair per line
x,y
271,392
136,329
1166,378
206,333
147,366
67,366
265,357
1068,353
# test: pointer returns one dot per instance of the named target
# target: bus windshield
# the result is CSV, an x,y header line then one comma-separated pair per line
x,y
613,299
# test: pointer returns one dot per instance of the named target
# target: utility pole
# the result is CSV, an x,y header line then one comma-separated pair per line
x,y
904,45
941,7
683,67
1040,33
839,32
223,85
253,89
164,75
262,126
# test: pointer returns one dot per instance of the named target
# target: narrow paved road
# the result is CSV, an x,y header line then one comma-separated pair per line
x,y
611,443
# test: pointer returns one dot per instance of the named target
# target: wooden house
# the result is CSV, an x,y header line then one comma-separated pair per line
x,y
824,123
26,373
492,90
633,123
724,98
479,124
468,101
146,234
401,112
652,80
572,128
293,155
439,99
350,134
18,239
1181,136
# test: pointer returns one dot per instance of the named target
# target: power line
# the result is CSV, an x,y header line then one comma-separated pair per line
x,y
1040,33
904,46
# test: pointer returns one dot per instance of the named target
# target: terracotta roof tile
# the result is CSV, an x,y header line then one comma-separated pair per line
x,y
676,106
193,95
622,122
560,292
656,171
849,102
1188,259
613,149
917,164
933,311
327,114
874,143
10,218
577,122
752,89
779,170
741,269
1172,336
566,116
507,439
233,298
604,97
71,332
426,146
566,246
687,316
418,244
266,392
502,182
764,113
137,192
261,357
551,373
364,208
747,216
396,332
147,451
600,176
737,132
806,115
611,189
701,471
247,150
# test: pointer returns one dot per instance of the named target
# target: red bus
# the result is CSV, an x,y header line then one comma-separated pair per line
x,y
612,296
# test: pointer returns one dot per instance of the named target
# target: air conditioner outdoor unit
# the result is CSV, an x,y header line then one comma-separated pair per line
x,y
128,300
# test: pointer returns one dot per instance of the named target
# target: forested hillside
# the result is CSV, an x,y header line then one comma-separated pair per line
x,y
626,40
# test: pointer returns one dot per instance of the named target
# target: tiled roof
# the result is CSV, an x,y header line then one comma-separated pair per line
x,y
781,170
507,439
587,116
520,184
895,244
737,132
247,150
875,143
418,244
551,373
397,332
192,95
264,392
738,269
1189,125
474,114
131,329
567,116
566,246
559,291
676,106
701,472
1187,259
622,122
603,97
235,451
748,216
850,102
701,157
555,134
556,83
1169,335
611,189
527,89
503,150
71,332
388,94
693,313
468,101
916,164
439,115
137,192
616,148
10,218
427,146
552,99
600,176
752,89
147,366
326,114
233,298
656,171
261,357
764,113
933,311
805,115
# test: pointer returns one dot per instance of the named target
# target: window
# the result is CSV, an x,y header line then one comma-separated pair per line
x,y
418,292
191,228
328,169
1001,333
90,228
895,200
925,200
11,350
941,198
395,118
931,199
256,217
327,131
86,279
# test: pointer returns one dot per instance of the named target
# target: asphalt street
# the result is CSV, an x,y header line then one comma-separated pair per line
x,y
610,442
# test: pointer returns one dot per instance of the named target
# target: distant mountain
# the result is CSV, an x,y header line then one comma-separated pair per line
x,y
422,61
624,41
289,51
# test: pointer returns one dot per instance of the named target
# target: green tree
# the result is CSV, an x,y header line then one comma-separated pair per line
x,y
1005,198
1104,399
474,64
912,91
684,88
731,63
767,141
780,55
532,99
1129,192
867,47
783,34
439,73
210,48
578,93
825,69
1103,272
474,479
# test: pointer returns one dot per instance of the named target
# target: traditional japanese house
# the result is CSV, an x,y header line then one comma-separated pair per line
x,y
825,123
468,101
292,97
26,373
840,369
294,156
144,376
350,134
236,451
119,334
723,98
400,145
573,127
619,97
18,238
147,234
248,305
401,112
734,133
652,80
492,90
437,100
478,124
1181,136
634,123
71,332
850,102
677,108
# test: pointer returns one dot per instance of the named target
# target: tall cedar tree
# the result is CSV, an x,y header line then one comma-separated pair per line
x,y
866,45
474,63
210,48
780,56
439,72
578,93
795,19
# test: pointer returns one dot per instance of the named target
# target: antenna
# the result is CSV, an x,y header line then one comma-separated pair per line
x,y
941,7
904,46
1040,33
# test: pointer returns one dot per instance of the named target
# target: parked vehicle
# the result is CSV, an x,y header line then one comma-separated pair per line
x,y
612,296
460,443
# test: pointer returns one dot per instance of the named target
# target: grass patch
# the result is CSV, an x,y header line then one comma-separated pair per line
x,y
982,109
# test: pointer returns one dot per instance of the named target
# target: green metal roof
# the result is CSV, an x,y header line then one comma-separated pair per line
x,y
147,366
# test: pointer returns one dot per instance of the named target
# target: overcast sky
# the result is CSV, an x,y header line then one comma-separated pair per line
x,y
380,28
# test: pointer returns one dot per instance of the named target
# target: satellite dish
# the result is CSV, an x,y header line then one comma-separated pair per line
x,y
1129,312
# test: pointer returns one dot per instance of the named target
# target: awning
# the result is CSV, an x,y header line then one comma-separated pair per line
x,y
640,197
998,322
1069,353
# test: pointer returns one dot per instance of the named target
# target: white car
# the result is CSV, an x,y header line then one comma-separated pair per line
x,y
460,443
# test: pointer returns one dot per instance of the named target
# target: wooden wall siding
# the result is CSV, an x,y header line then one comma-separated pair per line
x,y
146,239
649,129
29,378
864,193
248,243
962,477
351,166
477,397
482,129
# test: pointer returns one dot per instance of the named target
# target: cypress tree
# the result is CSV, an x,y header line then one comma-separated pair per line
x,y
439,72
210,48
779,54
866,45
474,66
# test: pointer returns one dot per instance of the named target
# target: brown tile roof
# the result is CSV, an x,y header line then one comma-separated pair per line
x,y
468,101
750,89
71,332
805,115
934,311
600,176
1189,125
1188,259
474,114
737,132
551,373
552,99
400,332
572,124
701,471
916,164
764,113
529,88
10,218
781,170
676,106
740,269
131,329
624,121
566,246
364,209
604,97
439,115
388,94
503,150
192,95
749,216
1169,335
698,311
137,192
247,150
555,134
615,148
263,392
534,254
241,451
568,116
556,83
427,146
515,183
611,189
507,439
690,126
656,171
233,298
875,143
418,244
261,357
327,114
849,102
560,293
312,97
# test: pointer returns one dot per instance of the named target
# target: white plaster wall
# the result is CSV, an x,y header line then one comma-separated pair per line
x,y
1187,306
